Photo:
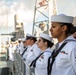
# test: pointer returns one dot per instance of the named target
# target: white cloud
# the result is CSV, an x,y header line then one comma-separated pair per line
x,y
10,7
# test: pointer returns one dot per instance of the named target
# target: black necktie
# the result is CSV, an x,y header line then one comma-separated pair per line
x,y
56,48
34,61
24,52
53,56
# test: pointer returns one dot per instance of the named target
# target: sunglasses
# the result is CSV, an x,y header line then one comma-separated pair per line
x,y
39,40
24,42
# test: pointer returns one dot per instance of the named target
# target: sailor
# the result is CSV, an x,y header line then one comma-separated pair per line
x,y
30,40
23,45
64,57
19,46
11,51
40,63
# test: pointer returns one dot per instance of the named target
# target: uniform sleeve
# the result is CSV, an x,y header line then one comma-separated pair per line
x,y
73,59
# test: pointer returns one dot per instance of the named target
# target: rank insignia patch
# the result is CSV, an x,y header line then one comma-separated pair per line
x,y
42,56
31,50
63,52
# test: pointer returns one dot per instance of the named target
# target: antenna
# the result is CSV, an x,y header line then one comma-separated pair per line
x,y
41,16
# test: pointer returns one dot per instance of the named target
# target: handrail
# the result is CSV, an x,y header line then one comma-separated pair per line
x,y
21,67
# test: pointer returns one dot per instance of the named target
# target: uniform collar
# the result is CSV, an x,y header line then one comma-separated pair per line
x,y
70,38
48,49
61,43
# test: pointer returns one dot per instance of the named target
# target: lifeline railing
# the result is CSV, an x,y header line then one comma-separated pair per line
x,y
21,67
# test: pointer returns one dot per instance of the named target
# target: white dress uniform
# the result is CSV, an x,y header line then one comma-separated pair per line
x,y
21,48
65,62
33,53
41,63
11,52
18,48
26,52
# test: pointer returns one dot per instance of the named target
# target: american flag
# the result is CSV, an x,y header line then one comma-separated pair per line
x,y
43,2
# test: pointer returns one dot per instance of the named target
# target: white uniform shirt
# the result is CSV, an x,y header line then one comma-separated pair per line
x,y
26,52
33,53
19,47
42,62
11,52
65,62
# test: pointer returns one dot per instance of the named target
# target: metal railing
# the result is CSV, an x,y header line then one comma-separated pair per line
x,y
21,67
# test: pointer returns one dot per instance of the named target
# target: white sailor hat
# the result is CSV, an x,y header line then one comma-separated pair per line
x,y
29,36
19,39
62,18
23,39
46,36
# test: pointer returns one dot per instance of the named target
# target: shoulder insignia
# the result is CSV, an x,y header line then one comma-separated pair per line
x,y
63,52
39,59
31,50
42,56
